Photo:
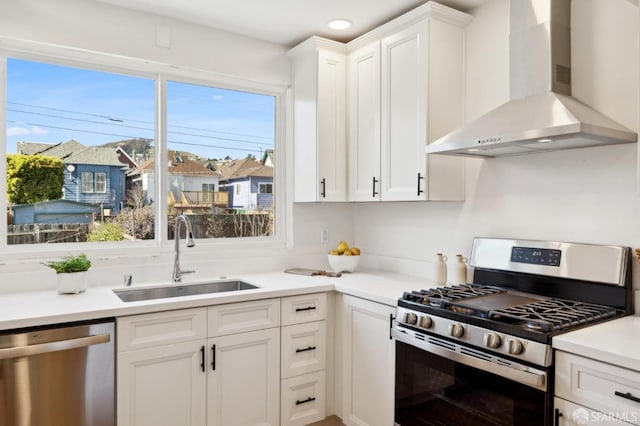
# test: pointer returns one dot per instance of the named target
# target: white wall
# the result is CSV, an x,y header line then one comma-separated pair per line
x,y
97,26
587,195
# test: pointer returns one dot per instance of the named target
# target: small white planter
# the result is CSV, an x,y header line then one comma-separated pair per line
x,y
73,282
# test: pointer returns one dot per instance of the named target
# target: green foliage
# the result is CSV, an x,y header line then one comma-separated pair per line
x,y
107,232
71,264
137,222
34,178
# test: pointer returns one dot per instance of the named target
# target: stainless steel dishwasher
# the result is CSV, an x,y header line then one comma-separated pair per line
x,y
58,376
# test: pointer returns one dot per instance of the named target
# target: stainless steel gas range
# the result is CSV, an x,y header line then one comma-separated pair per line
x,y
480,353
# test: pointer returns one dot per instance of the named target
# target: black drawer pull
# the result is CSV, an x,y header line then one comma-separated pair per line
x,y
308,308
309,348
627,396
298,402
202,355
420,177
556,418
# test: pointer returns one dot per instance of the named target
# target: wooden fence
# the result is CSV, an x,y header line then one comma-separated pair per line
x,y
36,233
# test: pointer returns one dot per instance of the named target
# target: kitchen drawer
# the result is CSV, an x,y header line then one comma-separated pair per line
x,y
304,348
303,399
599,386
304,308
576,415
161,328
244,316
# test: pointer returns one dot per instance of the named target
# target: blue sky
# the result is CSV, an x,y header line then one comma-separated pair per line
x,y
50,104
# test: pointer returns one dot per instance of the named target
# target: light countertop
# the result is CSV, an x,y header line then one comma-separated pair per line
x,y
615,342
29,309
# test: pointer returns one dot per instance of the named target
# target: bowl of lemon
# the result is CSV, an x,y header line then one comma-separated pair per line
x,y
344,258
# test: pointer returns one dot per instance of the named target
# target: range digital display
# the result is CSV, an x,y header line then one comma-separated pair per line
x,y
536,256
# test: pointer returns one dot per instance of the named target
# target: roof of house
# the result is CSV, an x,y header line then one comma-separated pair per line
x,y
246,167
178,165
73,152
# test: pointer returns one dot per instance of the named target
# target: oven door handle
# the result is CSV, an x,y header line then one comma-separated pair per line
x,y
517,372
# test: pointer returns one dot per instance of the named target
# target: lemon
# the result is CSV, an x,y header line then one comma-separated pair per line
x,y
355,251
342,247
334,253
347,253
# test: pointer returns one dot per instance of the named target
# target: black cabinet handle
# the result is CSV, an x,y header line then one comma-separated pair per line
x,y
323,191
391,318
627,396
374,193
213,357
556,421
420,191
298,402
308,308
202,361
308,348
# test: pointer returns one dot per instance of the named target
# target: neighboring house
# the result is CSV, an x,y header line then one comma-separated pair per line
x,y
191,184
93,175
249,184
54,211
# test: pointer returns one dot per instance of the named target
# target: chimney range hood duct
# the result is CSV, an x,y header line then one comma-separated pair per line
x,y
541,115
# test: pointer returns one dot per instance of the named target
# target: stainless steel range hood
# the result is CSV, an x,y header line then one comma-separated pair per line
x,y
541,115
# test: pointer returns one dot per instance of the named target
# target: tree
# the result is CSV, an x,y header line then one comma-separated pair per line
x,y
34,178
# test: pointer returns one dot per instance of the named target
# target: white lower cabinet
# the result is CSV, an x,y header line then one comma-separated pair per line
x,y
162,386
303,399
591,392
243,382
368,357
170,374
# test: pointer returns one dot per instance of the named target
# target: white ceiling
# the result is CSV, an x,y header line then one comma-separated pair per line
x,y
286,22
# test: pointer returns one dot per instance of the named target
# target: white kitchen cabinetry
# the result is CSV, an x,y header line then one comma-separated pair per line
x,y
161,377
405,91
205,366
303,359
368,356
590,392
319,103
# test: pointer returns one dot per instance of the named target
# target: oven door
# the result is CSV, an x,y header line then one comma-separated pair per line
x,y
439,382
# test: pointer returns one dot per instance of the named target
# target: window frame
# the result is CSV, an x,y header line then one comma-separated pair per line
x,y
265,184
96,182
161,73
86,185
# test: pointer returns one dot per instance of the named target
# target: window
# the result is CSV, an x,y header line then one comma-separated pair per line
x,y
265,188
99,146
87,182
94,182
224,135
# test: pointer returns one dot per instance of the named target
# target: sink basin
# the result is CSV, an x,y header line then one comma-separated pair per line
x,y
149,293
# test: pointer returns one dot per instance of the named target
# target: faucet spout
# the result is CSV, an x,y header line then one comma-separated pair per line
x,y
176,276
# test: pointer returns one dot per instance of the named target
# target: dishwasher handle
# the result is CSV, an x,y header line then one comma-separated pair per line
x,y
59,345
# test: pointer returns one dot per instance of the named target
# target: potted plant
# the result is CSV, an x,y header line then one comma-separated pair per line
x,y
72,273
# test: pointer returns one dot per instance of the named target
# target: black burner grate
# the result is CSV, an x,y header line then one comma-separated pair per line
x,y
441,295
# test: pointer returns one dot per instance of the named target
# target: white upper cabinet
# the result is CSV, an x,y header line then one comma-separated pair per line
x,y
405,91
319,102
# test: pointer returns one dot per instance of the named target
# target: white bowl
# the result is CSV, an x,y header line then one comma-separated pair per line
x,y
343,263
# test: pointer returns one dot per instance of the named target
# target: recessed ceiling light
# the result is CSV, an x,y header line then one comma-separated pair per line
x,y
545,140
339,24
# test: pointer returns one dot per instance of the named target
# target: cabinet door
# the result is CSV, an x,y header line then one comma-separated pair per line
x,y
364,123
244,379
368,363
404,115
331,127
162,386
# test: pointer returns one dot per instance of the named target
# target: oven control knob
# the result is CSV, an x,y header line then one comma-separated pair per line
x,y
456,330
410,318
492,340
515,347
425,322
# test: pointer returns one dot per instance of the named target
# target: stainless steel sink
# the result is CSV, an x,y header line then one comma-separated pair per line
x,y
149,293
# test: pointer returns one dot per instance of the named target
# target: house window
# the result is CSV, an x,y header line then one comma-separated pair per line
x,y
265,188
208,187
87,182
227,135
100,182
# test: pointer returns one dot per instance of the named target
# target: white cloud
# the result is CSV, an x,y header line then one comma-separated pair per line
x,y
217,97
17,131
23,131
